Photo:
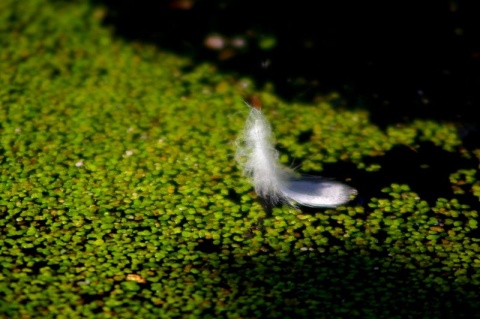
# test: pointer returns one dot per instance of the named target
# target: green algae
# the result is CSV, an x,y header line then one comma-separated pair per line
x,y
120,196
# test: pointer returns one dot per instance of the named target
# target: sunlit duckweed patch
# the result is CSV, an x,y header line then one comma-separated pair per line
x,y
120,196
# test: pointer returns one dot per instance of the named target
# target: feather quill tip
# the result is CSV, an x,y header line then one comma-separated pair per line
x,y
272,181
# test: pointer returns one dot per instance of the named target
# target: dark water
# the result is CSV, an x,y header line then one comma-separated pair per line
x,y
401,60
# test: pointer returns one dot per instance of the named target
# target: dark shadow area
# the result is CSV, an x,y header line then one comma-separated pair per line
x,y
426,169
470,135
401,60
207,246
314,285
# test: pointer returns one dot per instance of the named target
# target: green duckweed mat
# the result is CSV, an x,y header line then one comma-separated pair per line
x,y
120,196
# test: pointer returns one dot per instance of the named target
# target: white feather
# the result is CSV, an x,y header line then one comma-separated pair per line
x,y
275,182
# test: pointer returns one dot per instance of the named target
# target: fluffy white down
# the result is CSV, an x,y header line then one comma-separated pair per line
x,y
272,181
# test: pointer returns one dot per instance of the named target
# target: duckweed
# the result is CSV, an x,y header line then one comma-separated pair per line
x,y
120,196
